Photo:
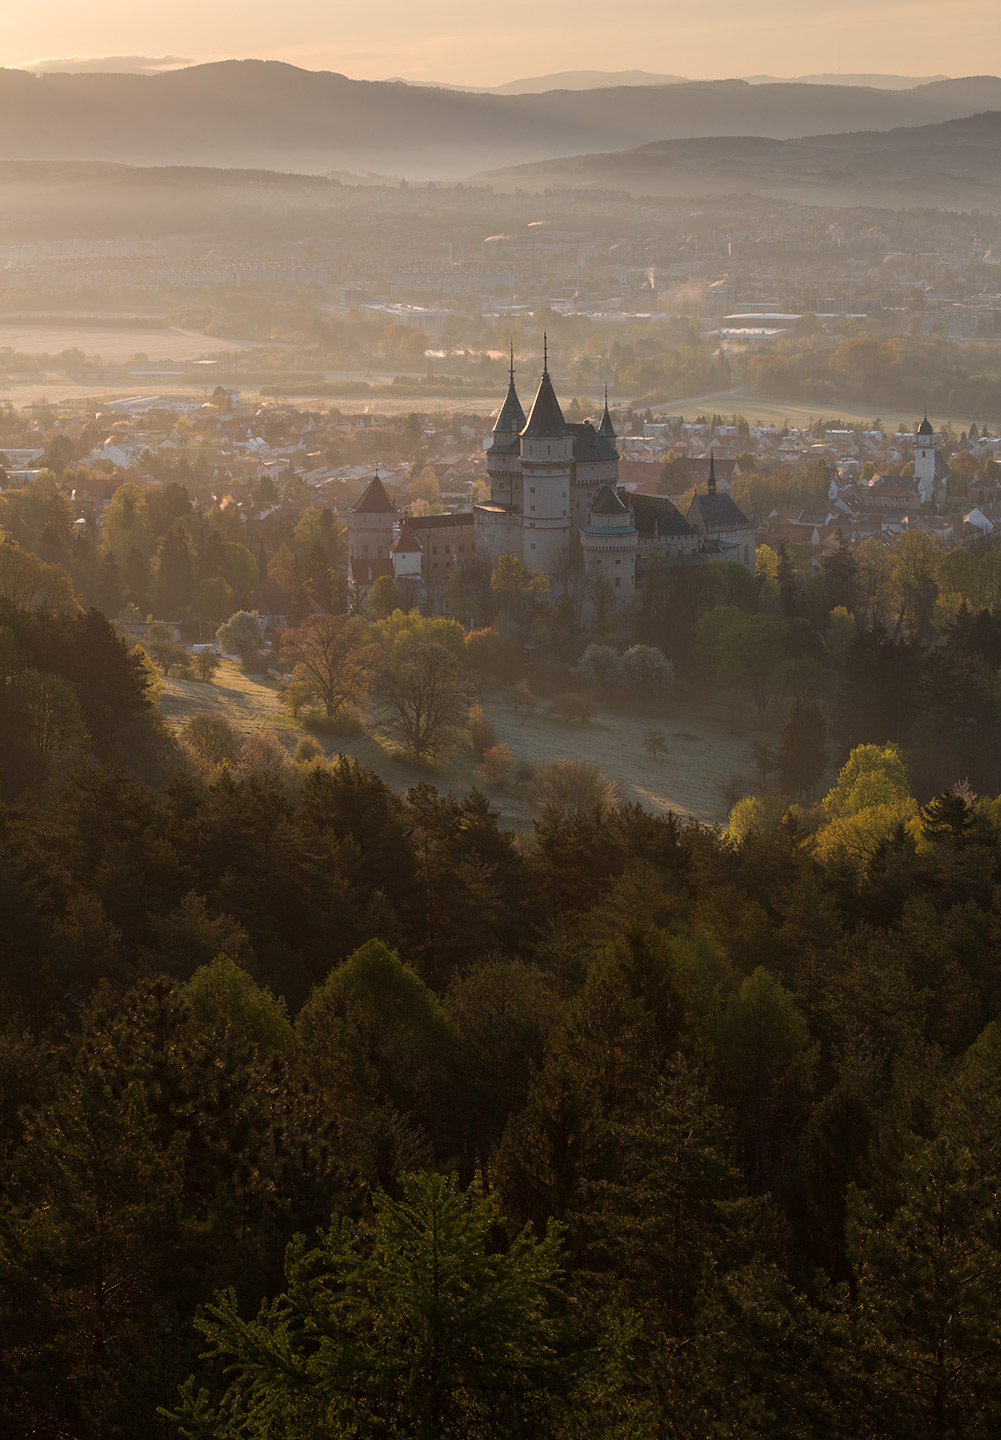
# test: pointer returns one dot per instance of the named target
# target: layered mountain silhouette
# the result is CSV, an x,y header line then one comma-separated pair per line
x,y
953,165
265,113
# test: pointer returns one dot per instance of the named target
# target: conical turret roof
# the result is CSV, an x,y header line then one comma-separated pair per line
x,y
375,499
606,428
546,420
608,503
511,420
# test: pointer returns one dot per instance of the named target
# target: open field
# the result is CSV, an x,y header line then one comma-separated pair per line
x,y
800,412
701,747
248,702
114,346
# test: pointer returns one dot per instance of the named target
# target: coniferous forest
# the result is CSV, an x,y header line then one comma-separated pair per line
x,y
328,1111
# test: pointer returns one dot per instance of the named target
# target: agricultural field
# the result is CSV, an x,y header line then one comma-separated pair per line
x,y
115,346
701,745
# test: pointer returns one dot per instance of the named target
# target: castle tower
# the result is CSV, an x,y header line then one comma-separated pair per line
x,y
370,523
924,461
498,522
546,464
608,542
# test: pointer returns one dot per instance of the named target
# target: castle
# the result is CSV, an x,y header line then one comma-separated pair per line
x,y
554,495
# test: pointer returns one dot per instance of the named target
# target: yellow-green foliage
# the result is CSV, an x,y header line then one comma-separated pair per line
x,y
852,839
757,812
873,776
402,629
224,993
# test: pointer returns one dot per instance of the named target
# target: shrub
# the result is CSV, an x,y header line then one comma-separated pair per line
x,y
522,697
495,766
482,731
306,750
343,726
572,709
212,738
492,654
566,788
524,772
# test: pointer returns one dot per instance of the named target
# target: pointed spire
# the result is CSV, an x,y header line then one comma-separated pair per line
x,y
712,473
606,428
511,420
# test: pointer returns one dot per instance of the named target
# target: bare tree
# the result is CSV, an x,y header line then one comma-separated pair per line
x,y
565,788
330,661
423,699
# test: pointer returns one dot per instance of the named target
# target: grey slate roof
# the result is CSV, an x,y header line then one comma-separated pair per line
x,y
659,516
718,512
511,419
925,427
589,443
546,420
608,503
606,428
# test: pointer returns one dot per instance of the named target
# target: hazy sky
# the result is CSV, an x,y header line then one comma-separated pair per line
x,y
463,41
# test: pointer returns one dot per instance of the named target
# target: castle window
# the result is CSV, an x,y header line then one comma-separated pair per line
x,y
532,508
533,545
618,562
532,491
618,581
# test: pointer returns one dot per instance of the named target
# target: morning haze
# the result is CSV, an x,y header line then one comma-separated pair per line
x,y
500,722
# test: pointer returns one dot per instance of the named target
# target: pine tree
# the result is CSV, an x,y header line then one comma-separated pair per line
x,y
802,753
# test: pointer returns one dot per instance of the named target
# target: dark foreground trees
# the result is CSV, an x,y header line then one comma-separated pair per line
x,y
428,1328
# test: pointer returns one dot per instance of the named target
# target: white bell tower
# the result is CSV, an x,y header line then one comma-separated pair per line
x,y
924,461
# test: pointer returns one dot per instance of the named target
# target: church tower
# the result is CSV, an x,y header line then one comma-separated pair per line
x,y
924,461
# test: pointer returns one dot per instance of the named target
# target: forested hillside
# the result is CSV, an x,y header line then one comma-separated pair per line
x,y
625,1128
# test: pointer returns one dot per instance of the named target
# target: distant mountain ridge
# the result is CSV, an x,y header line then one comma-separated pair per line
x,y
607,79
955,164
266,113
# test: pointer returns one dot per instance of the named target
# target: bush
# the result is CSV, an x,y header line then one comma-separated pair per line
x,y
566,788
307,750
212,738
522,697
524,772
492,654
343,726
495,766
643,669
572,709
482,731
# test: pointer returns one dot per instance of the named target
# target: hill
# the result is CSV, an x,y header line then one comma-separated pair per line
x,y
265,113
952,165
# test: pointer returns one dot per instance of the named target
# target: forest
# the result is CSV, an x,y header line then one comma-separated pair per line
x,y
329,1109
